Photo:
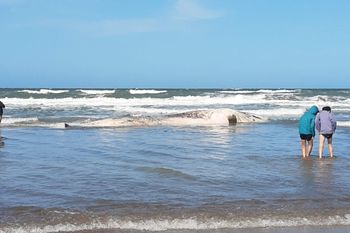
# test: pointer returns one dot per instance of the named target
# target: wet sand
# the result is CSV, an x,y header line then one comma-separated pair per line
x,y
306,229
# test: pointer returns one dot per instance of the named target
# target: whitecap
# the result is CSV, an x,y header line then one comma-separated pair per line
x,y
146,91
276,91
343,123
44,91
97,92
10,120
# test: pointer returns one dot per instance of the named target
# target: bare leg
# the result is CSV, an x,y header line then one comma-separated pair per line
x,y
321,145
303,148
330,147
311,144
0,118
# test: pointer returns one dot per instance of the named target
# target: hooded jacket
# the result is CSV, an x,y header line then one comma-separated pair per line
x,y
326,122
307,121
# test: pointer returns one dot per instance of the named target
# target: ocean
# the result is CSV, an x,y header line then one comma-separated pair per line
x,y
170,160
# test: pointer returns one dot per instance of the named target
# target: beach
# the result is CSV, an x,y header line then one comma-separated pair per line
x,y
132,161
252,230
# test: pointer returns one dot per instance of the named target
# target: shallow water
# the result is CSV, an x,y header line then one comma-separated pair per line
x,y
202,175
159,178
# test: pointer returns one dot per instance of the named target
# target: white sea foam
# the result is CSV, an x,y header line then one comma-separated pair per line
x,y
258,99
44,91
101,106
237,92
142,92
208,100
97,92
279,113
257,91
343,123
276,91
286,113
30,121
181,224
156,102
159,107
8,120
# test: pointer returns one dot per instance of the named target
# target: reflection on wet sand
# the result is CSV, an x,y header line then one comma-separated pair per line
x,y
317,175
2,140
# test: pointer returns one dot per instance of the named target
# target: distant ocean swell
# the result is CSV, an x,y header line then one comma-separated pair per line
x,y
91,91
56,106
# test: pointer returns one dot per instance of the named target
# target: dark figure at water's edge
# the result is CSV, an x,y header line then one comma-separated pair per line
x,y
307,130
2,106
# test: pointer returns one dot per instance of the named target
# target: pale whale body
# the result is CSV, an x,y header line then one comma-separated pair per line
x,y
217,116
191,118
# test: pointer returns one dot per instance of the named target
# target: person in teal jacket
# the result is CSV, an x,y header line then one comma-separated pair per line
x,y
307,130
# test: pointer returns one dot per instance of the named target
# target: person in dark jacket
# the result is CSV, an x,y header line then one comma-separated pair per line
x,y
307,130
2,106
326,125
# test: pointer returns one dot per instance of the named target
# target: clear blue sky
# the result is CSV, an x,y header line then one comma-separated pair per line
x,y
175,43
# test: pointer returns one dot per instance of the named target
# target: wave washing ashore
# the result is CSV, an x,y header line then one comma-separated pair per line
x,y
116,107
170,160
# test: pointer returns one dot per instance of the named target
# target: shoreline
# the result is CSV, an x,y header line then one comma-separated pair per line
x,y
305,229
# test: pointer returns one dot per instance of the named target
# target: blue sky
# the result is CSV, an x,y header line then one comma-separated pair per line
x,y
175,43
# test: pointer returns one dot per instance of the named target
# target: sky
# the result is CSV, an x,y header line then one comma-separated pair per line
x,y
175,43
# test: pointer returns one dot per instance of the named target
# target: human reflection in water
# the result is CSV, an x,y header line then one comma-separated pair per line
x,y
325,171
2,140
318,177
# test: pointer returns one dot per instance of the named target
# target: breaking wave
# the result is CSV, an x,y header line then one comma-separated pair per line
x,y
343,123
142,92
44,91
145,107
256,91
97,92
192,223
7,120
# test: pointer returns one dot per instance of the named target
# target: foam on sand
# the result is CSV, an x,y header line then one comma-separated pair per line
x,y
192,223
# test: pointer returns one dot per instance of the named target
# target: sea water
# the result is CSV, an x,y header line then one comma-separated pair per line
x,y
132,175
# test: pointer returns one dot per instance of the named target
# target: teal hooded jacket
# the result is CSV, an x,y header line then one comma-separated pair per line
x,y
307,121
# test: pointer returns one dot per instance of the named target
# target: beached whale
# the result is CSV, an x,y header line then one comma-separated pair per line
x,y
190,118
216,116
